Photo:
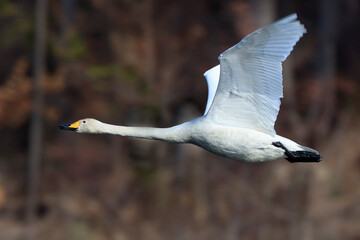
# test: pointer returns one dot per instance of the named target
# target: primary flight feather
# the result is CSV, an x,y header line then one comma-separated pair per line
x,y
243,103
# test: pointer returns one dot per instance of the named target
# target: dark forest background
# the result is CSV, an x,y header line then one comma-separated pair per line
x,y
138,62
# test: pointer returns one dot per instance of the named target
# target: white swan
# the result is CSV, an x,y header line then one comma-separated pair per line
x,y
242,106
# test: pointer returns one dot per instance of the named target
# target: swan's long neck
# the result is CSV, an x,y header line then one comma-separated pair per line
x,y
177,134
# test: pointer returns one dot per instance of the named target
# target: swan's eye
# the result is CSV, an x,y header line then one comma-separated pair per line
x,y
84,121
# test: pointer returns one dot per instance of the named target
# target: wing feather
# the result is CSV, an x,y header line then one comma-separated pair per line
x,y
250,87
212,78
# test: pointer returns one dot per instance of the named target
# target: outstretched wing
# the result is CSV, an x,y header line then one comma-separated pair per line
x,y
250,86
212,78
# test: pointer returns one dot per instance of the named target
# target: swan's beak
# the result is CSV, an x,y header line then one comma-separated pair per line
x,y
71,127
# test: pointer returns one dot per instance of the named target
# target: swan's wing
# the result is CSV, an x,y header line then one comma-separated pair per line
x,y
250,87
212,78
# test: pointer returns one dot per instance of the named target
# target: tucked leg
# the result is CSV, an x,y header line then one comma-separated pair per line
x,y
298,156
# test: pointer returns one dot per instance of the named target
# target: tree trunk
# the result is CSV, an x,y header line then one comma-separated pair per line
x,y
36,117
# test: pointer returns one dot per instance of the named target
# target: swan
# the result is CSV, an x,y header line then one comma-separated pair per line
x,y
244,93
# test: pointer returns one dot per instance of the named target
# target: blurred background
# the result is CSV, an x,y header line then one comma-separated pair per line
x,y
140,62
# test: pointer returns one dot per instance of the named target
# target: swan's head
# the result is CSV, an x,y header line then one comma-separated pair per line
x,y
87,125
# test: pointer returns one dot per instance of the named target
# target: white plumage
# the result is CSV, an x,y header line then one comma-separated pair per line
x,y
212,78
243,102
250,87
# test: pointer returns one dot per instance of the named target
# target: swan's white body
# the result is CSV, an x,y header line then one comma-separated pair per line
x,y
243,101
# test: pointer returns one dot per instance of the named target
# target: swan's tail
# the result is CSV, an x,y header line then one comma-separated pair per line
x,y
306,154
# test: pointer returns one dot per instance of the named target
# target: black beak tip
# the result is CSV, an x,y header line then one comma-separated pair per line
x,y
66,127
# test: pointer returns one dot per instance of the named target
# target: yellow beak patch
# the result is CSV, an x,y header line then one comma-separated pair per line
x,y
75,124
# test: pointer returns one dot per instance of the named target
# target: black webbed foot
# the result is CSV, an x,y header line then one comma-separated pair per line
x,y
299,156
